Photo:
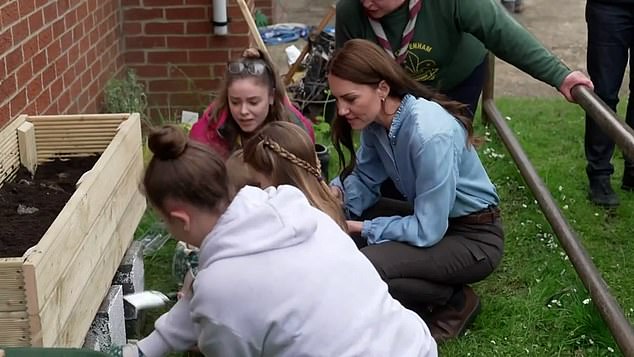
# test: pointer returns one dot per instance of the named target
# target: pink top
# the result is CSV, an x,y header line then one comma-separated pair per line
x,y
205,130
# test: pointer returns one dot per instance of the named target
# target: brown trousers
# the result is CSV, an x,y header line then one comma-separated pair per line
x,y
420,277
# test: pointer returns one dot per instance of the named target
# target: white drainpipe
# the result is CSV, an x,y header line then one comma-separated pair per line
x,y
220,17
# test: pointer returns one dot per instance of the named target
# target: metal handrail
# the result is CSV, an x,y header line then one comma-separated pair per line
x,y
608,307
606,118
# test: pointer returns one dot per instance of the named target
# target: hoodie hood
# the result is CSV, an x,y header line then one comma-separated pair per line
x,y
257,221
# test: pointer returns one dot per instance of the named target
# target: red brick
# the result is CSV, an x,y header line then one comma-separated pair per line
x,y
48,76
44,38
26,7
43,101
152,71
29,48
234,12
187,42
17,104
50,13
167,57
78,33
84,45
168,85
189,100
157,28
82,11
8,87
162,2
63,102
34,88
67,40
208,56
132,28
70,18
61,64
20,31
138,14
24,73
238,27
9,13
197,2
6,41
157,99
54,50
39,61
14,60
135,57
5,114
206,84
36,21
130,2
144,42
203,71
229,41
57,86
186,13
58,28
199,27
3,68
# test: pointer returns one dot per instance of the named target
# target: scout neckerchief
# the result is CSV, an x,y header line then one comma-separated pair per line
x,y
408,33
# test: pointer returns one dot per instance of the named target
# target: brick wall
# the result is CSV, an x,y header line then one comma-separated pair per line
x,y
171,45
57,55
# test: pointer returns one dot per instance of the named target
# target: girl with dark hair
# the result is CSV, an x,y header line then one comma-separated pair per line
x,y
448,233
251,96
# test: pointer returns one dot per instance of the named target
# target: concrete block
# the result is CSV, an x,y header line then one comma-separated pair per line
x,y
108,327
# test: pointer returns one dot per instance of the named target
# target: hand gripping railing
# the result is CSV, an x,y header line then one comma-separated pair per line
x,y
623,136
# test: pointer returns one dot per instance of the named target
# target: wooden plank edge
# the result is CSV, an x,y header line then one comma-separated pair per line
x,y
66,285
79,322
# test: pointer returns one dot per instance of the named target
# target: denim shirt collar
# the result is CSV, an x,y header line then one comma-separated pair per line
x,y
401,114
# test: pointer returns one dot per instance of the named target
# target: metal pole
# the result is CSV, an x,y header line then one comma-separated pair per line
x,y
489,83
605,117
608,307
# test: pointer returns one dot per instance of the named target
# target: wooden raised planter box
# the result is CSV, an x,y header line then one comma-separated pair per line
x,y
50,295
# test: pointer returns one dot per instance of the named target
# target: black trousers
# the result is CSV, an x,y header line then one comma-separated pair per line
x,y
610,40
420,277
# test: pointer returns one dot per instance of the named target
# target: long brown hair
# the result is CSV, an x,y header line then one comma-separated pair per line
x,y
286,152
270,79
184,170
363,62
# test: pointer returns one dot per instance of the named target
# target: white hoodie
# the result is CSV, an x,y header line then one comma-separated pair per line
x,y
280,278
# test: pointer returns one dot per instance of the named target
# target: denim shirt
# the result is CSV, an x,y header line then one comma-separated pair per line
x,y
427,156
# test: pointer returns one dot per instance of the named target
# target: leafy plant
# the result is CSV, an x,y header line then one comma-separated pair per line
x,y
125,95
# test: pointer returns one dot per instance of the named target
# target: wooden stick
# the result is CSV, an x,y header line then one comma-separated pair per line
x,y
253,28
288,78
27,146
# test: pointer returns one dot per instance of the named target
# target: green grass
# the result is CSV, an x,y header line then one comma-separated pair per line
x,y
534,304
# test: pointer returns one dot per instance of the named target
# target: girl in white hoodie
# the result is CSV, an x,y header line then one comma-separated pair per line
x,y
277,277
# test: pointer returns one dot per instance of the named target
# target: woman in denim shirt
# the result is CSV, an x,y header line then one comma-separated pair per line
x,y
448,233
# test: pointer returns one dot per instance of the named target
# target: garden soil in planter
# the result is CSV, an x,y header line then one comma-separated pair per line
x,y
29,205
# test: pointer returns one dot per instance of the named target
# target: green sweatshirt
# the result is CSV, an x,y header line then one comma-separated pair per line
x,y
452,37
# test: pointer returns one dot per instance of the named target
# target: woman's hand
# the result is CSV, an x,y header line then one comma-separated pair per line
x,y
571,80
354,227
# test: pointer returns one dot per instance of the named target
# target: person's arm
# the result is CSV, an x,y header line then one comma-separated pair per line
x,y
509,40
361,188
435,163
173,331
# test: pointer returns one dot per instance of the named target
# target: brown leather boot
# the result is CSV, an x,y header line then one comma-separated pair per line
x,y
450,321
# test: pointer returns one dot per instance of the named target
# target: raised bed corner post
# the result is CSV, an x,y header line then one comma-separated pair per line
x,y
610,310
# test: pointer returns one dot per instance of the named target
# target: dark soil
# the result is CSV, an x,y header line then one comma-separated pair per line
x,y
29,205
